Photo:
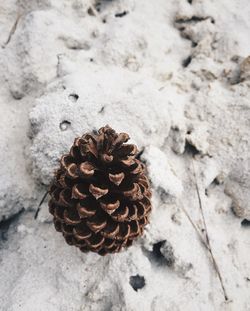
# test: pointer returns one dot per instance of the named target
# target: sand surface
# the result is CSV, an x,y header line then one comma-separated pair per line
x,y
173,74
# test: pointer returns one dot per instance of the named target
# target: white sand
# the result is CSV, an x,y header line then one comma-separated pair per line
x,y
173,74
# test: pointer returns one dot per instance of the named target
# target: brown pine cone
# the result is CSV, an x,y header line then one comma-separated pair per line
x,y
100,198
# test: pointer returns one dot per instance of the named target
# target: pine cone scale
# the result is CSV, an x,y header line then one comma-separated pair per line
x,y
82,232
97,192
87,209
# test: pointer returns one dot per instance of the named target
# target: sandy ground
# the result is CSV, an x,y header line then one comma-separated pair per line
x,y
173,74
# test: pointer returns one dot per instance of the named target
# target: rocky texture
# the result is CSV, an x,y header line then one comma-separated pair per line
x,y
180,70
74,105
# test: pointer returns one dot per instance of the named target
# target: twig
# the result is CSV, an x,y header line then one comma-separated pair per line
x,y
12,31
39,206
95,12
216,267
195,228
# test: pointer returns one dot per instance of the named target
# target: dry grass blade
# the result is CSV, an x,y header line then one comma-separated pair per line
x,y
39,206
216,267
12,31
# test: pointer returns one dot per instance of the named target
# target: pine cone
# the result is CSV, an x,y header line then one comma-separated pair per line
x,y
100,198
